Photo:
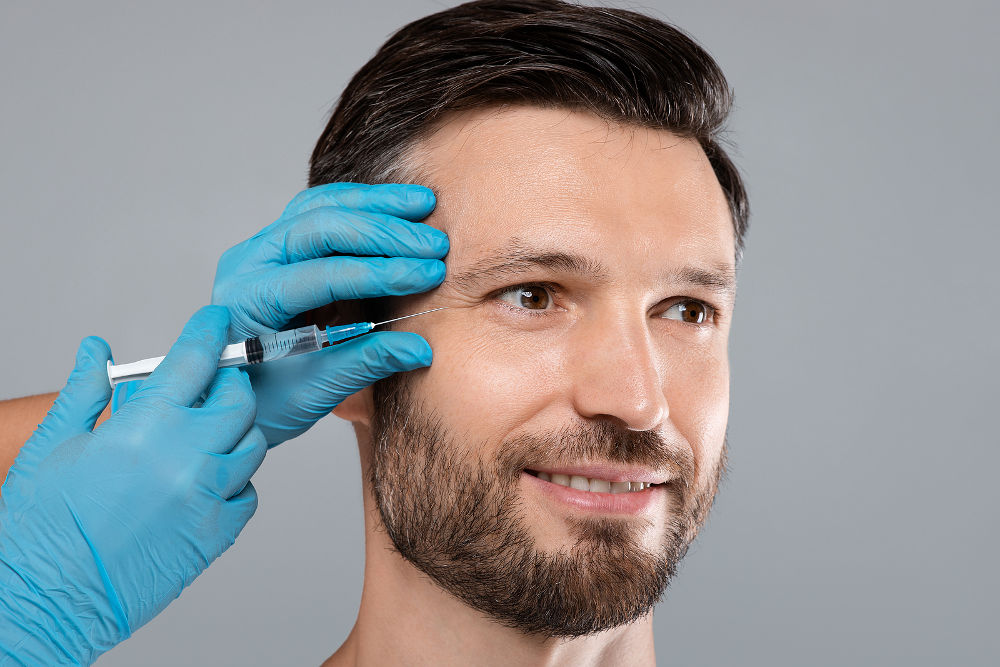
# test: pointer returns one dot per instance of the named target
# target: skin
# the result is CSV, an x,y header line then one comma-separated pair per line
x,y
613,347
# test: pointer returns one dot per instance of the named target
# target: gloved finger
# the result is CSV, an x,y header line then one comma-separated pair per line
x,y
402,200
286,291
353,365
85,395
241,507
325,231
308,387
219,530
192,361
227,474
341,370
228,410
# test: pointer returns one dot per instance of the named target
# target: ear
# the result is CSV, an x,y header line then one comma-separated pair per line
x,y
356,408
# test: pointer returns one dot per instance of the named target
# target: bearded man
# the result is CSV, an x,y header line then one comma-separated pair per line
x,y
529,495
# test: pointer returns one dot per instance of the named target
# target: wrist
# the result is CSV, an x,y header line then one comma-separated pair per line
x,y
53,610
30,633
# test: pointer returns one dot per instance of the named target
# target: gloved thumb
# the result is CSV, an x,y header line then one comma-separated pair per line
x,y
84,397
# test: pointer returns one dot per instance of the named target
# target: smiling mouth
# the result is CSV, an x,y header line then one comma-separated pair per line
x,y
591,484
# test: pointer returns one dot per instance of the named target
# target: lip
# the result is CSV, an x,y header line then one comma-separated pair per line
x,y
633,502
607,471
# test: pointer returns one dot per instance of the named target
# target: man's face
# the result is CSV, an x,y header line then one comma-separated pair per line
x,y
585,342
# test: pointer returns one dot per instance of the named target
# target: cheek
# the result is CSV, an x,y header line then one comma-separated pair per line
x,y
485,387
697,392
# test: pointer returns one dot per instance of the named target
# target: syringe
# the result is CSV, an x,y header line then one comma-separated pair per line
x,y
266,347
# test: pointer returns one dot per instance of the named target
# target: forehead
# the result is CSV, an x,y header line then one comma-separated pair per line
x,y
554,178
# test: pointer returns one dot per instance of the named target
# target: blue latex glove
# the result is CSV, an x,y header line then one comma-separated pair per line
x,y
333,242
100,529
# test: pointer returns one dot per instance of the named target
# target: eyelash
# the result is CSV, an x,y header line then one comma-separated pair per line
x,y
712,313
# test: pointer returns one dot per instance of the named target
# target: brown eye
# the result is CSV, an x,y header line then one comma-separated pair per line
x,y
527,297
692,312
535,298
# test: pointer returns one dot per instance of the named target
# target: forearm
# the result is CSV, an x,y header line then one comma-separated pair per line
x,y
19,417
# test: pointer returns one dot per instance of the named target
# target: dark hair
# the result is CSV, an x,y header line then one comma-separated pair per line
x,y
618,64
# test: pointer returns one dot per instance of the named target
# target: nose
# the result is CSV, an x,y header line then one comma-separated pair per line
x,y
615,374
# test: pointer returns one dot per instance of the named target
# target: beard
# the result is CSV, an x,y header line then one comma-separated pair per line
x,y
459,519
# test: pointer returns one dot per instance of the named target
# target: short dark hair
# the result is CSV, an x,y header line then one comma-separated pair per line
x,y
620,65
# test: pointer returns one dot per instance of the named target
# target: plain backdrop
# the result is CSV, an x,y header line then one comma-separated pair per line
x,y
858,523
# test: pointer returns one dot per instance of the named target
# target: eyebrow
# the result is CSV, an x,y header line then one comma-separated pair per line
x,y
720,278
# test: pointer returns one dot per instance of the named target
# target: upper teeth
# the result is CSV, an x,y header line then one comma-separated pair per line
x,y
587,484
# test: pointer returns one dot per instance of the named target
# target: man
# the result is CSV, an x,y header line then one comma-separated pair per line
x,y
583,353
529,495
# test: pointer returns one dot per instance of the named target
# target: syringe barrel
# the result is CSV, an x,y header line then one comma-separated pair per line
x,y
250,351
283,344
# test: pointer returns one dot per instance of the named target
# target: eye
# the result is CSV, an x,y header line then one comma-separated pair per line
x,y
527,297
689,311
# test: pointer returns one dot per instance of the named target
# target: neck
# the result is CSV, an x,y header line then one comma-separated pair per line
x,y
405,618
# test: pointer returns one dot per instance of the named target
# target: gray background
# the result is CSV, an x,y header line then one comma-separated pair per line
x,y
858,522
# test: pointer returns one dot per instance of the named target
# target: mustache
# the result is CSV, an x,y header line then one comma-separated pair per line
x,y
599,441
397,411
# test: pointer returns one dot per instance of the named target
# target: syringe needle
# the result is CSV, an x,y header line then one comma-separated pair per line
x,y
378,324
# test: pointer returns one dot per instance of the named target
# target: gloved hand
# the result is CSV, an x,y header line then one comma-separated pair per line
x,y
100,529
295,265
